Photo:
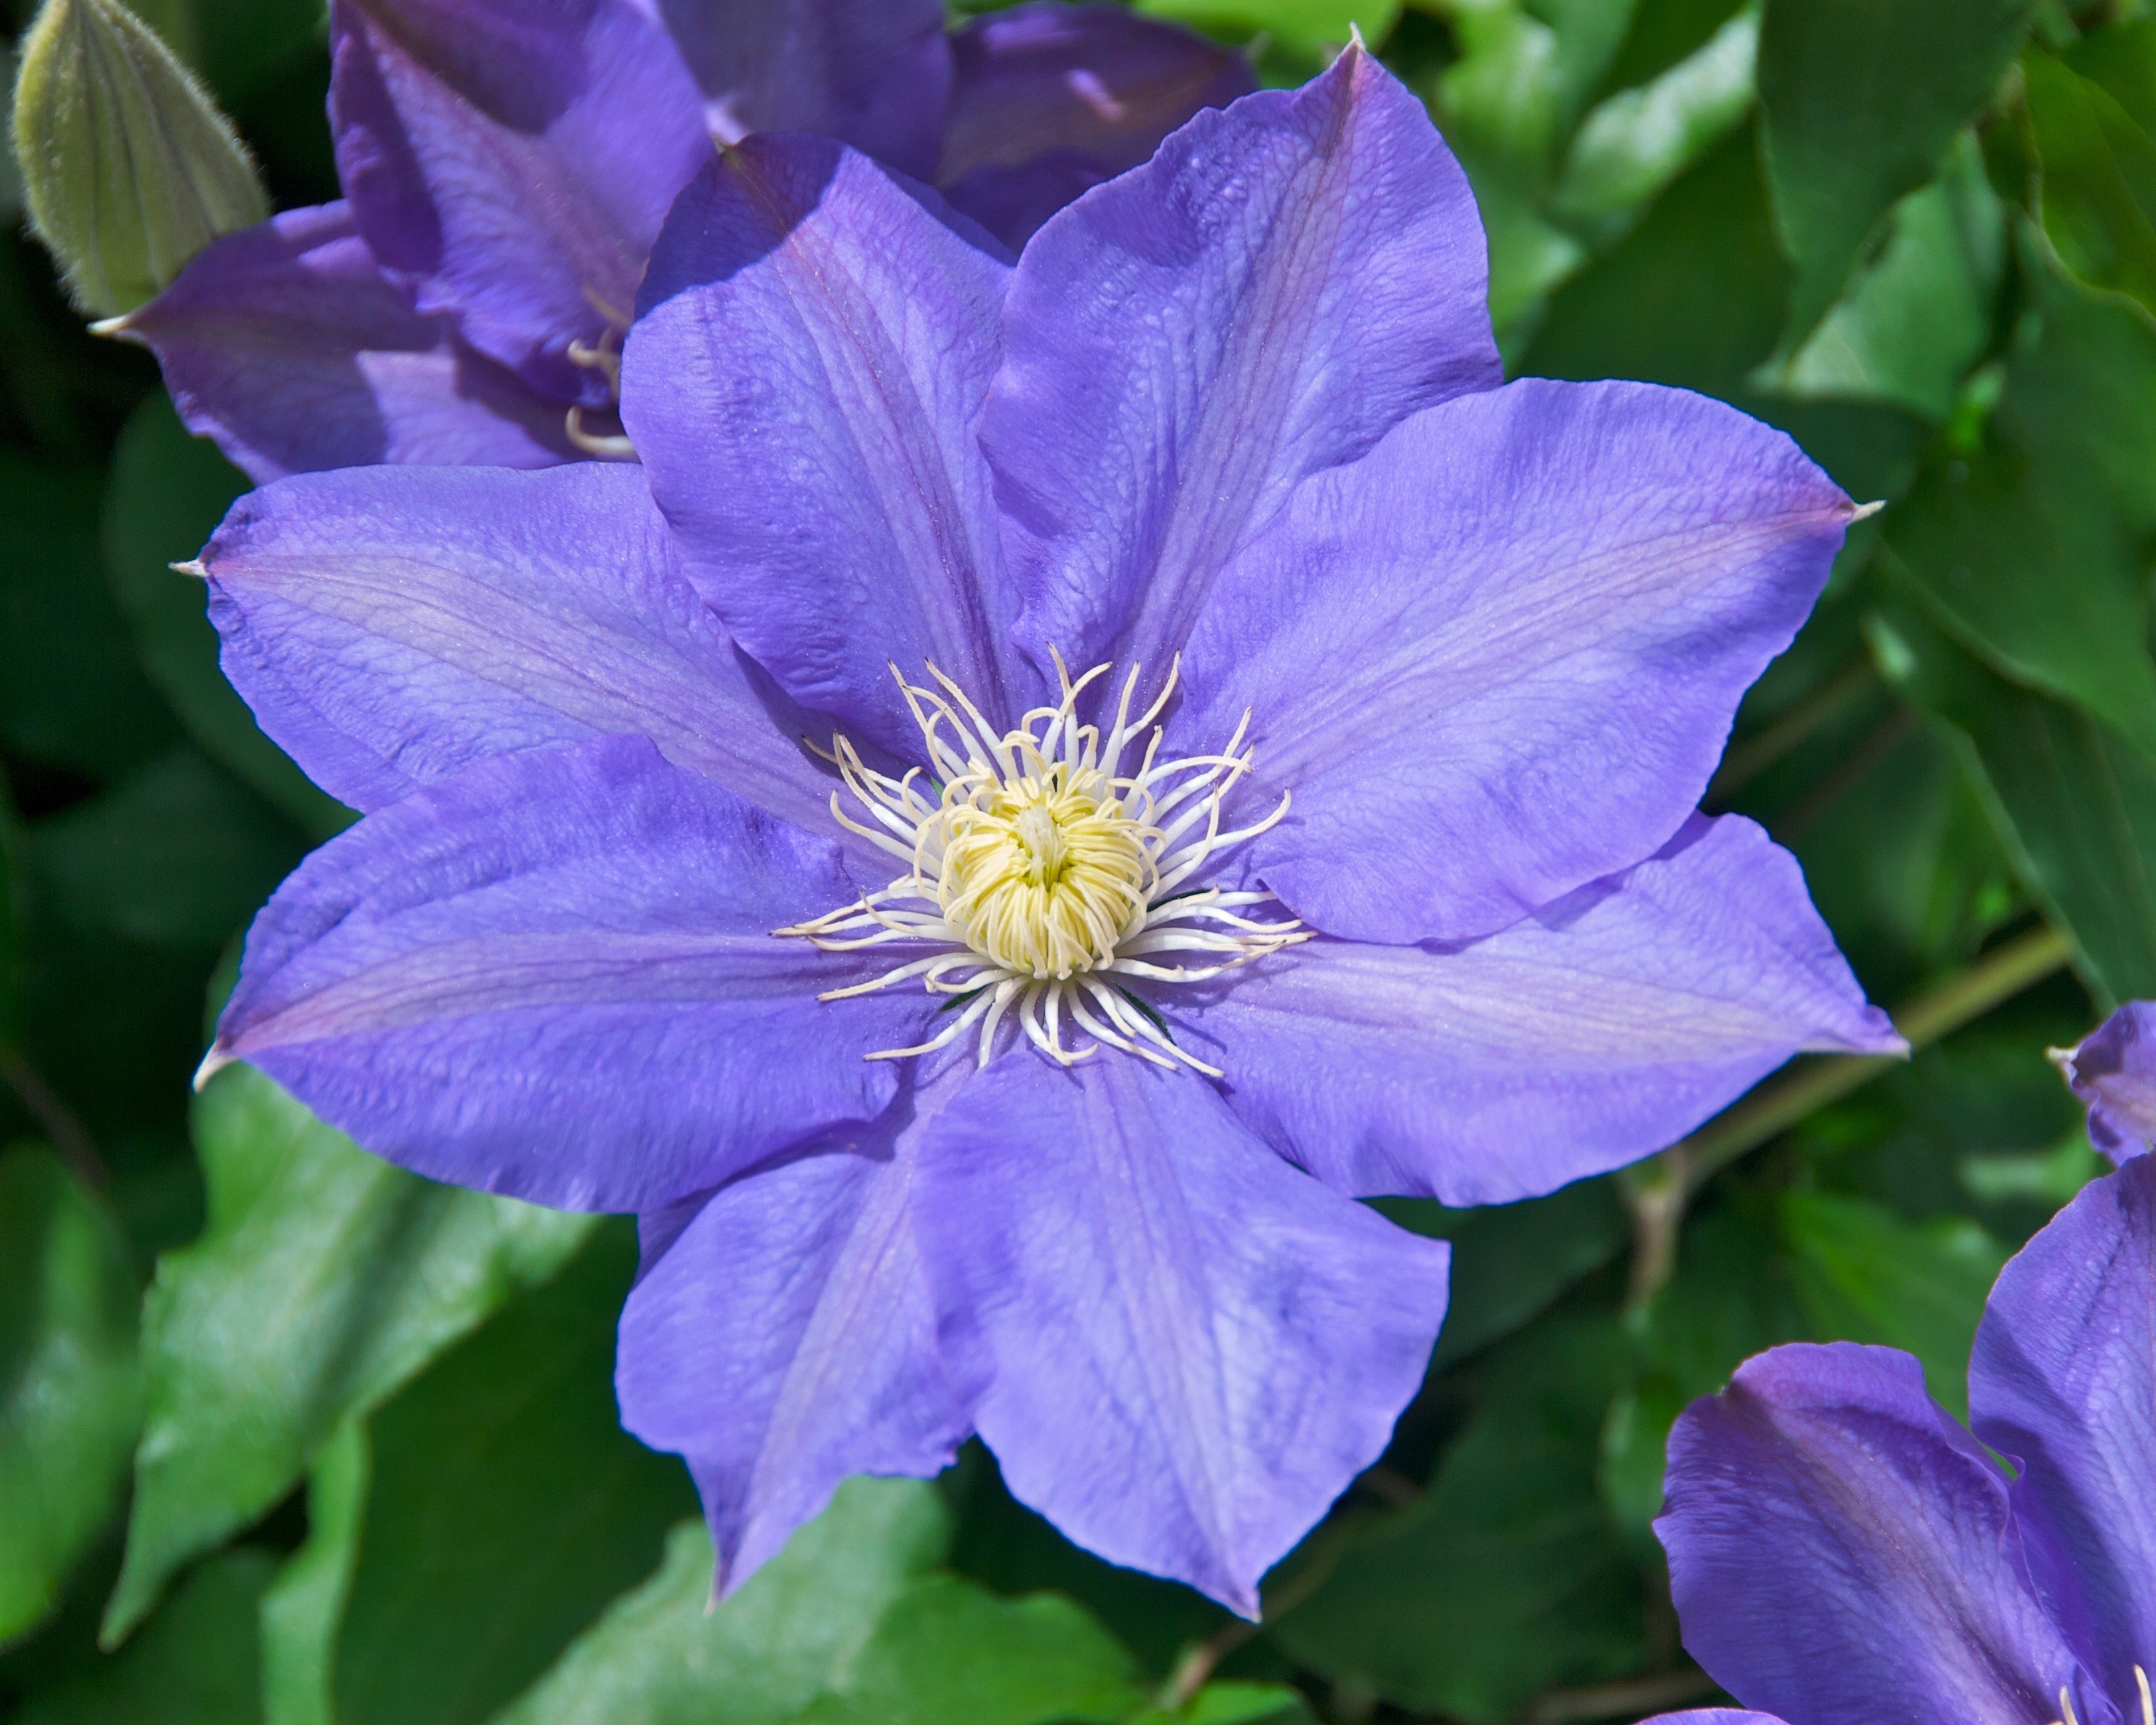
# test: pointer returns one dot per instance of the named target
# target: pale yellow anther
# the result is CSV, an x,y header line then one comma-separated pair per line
x,y
1046,871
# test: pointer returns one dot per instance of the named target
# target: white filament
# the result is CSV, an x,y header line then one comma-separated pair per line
x,y
1046,869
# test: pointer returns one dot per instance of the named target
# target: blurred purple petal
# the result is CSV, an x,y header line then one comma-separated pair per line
x,y
1051,100
1841,1549
1282,284
1180,1349
802,385
390,627
510,160
874,74
553,977
285,344
2114,1071
1498,657
1714,1715
2063,1378
1581,1039
783,1339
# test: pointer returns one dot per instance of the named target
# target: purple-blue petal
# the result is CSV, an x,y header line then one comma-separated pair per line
x,y
1498,657
1180,1349
1051,100
287,346
1576,1041
2114,1071
509,162
1714,1715
781,1339
391,627
803,386
874,74
1283,282
554,977
1841,1550
2063,1378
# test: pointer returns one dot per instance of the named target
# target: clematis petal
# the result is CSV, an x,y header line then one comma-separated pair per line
x,y
1283,282
802,383
1498,657
1714,1715
1049,99
1180,1349
1576,1041
553,977
2114,1071
509,162
874,74
783,1340
285,345
2062,1378
390,627
1841,1549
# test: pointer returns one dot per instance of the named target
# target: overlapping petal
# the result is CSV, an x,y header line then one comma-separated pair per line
x,y
553,977
2063,1378
1576,1041
1841,1549
1498,657
874,74
783,1339
2114,1071
1283,282
285,345
1180,1349
1051,100
802,385
390,627
509,162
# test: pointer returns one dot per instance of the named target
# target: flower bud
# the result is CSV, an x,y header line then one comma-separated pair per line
x,y
128,167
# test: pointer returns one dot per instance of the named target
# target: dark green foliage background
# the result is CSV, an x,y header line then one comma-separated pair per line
x,y
288,1435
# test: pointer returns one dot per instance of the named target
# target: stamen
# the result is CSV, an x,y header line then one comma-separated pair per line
x,y
1037,868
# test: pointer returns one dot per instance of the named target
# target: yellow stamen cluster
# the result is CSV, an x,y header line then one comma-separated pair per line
x,y
1045,871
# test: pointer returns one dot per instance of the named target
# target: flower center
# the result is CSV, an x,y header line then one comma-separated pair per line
x,y
1046,873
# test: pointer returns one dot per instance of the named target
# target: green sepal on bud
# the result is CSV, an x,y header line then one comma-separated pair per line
x,y
128,167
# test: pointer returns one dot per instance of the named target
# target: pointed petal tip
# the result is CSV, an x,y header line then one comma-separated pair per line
x,y
213,1062
193,566
2063,1059
114,327
1864,512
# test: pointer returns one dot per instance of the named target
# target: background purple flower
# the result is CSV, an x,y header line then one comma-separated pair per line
x,y
1841,1549
2114,1070
1461,657
506,168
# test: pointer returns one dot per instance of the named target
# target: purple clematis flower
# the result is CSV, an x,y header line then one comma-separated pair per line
x,y
2112,1070
1047,783
1842,1551
507,164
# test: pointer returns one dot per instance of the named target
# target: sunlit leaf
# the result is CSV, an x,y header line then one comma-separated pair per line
x,y
2099,178
325,1279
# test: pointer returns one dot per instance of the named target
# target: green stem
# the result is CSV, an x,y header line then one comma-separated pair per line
x,y
1659,1189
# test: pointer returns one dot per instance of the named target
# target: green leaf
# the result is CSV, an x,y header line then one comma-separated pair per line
x,y
2121,58
2028,544
1237,1704
1862,99
1309,25
1692,296
1867,1275
70,1393
70,692
2074,801
1506,1578
1511,1260
323,1280
508,1507
177,856
2099,178
1637,141
195,1663
303,1607
167,493
1916,318
1664,34
947,1653
660,1657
